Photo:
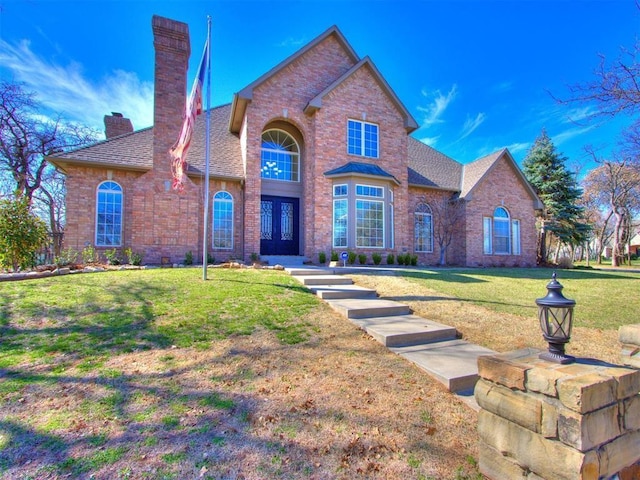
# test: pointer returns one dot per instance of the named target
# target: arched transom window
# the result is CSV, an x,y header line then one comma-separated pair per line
x,y
423,228
280,157
109,215
501,233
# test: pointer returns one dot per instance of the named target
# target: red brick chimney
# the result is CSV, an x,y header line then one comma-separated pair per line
x,y
172,50
115,125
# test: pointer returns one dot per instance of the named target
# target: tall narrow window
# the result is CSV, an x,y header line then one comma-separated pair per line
x,y
223,221
515,236
501,232
340,214
362,138
423,228
109,215
280,157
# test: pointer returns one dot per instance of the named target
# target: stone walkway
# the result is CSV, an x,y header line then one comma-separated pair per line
x,y
432,346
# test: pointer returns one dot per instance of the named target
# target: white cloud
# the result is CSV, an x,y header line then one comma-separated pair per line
x,y
431,141
65,89
438,105
291,42
569,134
471,124
519,147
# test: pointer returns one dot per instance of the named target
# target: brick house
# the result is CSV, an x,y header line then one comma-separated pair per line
x,y
313,156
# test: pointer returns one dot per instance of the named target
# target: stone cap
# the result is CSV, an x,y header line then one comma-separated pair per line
x,y
583,386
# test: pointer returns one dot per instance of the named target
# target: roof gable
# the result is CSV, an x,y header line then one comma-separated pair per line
x,y
316,103
475,172
359,168
244,96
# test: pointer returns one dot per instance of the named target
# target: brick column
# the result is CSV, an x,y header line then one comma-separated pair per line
x,y
540,420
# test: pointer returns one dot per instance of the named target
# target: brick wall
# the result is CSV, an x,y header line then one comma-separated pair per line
x,y
500,187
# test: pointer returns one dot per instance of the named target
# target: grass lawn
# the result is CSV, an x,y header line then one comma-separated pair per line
x,y
158,374
495,307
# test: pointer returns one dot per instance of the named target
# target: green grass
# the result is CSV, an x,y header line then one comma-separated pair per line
x,y
94,317
604,299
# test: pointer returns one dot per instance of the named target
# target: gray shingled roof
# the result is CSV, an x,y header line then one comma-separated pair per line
x,y
134,151
360,169
430,168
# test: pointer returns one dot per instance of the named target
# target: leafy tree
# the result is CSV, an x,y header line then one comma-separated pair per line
x,y
21,234
563,216
27,136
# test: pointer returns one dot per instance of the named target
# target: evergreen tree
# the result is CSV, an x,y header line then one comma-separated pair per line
x,y
558,189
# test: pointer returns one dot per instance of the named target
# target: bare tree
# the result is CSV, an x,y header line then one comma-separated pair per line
x,y
615,186
27,136
448,212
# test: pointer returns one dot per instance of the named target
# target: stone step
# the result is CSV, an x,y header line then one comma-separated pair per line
x,y
405,330
334,292
368,307
324,280
453,363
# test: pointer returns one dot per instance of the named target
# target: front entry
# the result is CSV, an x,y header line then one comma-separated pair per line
x,y
279,225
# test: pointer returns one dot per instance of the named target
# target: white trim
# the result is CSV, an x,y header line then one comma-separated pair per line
x,y
213,216
121,195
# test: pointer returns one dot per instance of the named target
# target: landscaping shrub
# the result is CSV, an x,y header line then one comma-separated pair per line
x,y
133,258
390,259
322,258
89,255
362,259
377,258
112,256
351,259
188,258
413,259
68,256
334,256
21,234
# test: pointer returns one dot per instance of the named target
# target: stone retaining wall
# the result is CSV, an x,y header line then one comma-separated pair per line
x,y
540,420
629,336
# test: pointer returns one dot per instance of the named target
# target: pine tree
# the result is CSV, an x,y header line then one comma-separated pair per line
x,y
558,189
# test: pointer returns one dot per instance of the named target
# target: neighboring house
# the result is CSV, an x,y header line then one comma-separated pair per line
x,y
313,156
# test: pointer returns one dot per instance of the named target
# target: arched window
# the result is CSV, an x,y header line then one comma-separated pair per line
x,y
423,228
222,221
280,157
109,215
501,233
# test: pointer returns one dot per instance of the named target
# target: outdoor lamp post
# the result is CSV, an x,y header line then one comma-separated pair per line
x,y
556,318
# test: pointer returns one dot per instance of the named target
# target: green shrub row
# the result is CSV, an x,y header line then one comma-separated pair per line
x,y
400,259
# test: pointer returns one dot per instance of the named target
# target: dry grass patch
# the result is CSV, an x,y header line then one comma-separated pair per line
x,y
335,405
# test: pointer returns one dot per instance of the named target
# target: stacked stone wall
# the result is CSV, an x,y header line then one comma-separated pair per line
x,y
540,420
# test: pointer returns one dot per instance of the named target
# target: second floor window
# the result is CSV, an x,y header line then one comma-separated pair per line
x,y
362,139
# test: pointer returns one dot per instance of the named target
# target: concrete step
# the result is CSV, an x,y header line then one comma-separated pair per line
x,y
306,271
453,363
405,330
323,280
368,307
334,292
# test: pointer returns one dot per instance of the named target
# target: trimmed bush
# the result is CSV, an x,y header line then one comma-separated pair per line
x,y
377,258
362,259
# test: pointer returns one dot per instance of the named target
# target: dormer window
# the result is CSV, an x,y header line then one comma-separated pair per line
x,y
362,138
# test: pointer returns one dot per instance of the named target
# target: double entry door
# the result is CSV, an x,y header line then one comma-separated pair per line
x,y
279,225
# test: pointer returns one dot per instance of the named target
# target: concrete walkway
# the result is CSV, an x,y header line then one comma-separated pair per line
x,y
432,346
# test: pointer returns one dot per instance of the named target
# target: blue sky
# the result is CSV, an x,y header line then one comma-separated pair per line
x,y
476,75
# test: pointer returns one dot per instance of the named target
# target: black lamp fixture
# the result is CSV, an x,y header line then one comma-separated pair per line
x,y
556,319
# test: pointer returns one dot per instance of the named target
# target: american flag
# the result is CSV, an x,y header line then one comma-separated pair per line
x,y
193,108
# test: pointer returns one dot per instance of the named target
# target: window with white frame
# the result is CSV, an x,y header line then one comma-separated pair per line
x,y
501,234
109,215
222,221
369,216
340,222
279,157
423,228
362,138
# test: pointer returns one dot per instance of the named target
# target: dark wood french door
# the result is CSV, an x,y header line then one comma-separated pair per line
x,y
279,225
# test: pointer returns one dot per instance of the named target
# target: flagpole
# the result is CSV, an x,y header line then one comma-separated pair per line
x,y
205,222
